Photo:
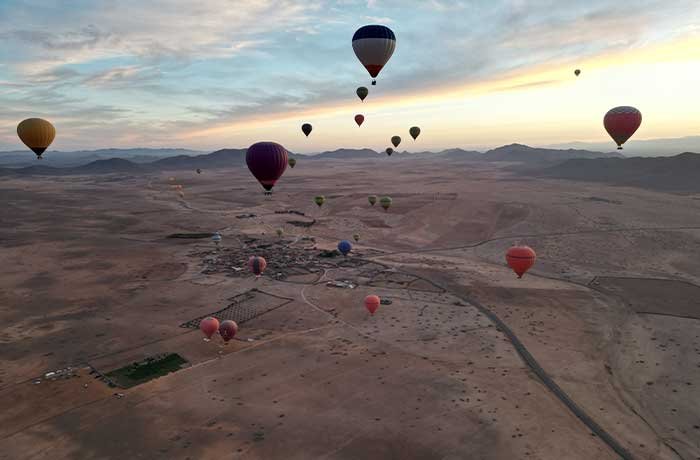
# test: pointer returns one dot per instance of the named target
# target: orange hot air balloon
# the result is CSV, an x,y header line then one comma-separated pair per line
x,y
372,303
359,119
228,330
209,326
37,134
520,259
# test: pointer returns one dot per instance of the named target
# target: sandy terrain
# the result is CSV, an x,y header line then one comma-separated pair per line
x,y
89,280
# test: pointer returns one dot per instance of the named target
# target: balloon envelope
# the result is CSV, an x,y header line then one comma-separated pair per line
x,y
396,140
209,326
306,129
621,123
389,151
257,265
37,134
319,200
292,162
385,202
577,72
373,46
359,119
372,199
372,303
356,237
199,171
414,132
344,247
267,161
520,259
228,330
362,92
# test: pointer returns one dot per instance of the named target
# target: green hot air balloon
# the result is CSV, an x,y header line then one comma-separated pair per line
x,y
292,163
362,92
372,199
385,202
319,200
396,140
414,132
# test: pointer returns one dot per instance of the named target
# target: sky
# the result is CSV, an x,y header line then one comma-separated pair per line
x,y
218,74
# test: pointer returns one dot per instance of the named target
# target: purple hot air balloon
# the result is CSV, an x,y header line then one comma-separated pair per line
x,y
267,161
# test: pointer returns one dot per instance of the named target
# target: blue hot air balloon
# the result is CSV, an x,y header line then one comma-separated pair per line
x,y
344,247
373,46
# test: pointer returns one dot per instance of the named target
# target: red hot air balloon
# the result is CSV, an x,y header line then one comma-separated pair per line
x,y
372,303
257,265
520,259
621,123
228,330
359,119
267,162
209,326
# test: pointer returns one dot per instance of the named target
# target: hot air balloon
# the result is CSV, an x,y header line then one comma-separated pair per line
x,y
359,119
520,259
372,303
577,72
389,151
267,162
306,129
414,132
319,200
362,92
385,202
621,123
280,232
228,330
372,199
37,134
373,46
216,238
396,140
171,179
257,265
209,326
344,247
199,171
356,237
292,163
182,194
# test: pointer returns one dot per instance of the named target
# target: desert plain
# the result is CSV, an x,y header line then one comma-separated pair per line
x,y
90,281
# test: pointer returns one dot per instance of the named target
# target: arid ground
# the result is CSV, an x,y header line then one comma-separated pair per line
x,y
610,314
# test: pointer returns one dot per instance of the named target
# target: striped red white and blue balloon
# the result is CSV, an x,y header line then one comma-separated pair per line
x,y
373,46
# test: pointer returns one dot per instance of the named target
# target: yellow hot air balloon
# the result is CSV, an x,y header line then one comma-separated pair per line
x,y
37,134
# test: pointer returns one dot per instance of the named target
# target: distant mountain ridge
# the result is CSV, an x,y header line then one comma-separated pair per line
x,y
18,158
680,173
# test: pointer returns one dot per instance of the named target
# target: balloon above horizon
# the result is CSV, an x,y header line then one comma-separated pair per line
x,y
373,45
267,161
37,134
621,123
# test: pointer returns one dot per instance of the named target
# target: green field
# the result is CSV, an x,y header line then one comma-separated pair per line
x,y
150,368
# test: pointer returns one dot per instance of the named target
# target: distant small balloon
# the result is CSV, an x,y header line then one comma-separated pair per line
x,y
389,151
372,303
577,72
520,259
306,129
356,237
414,132
385,202
372,199
359,119
396,140
362,92
280,232
209,326
292,163
319,200
199,171
228,330
257,265
344,247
